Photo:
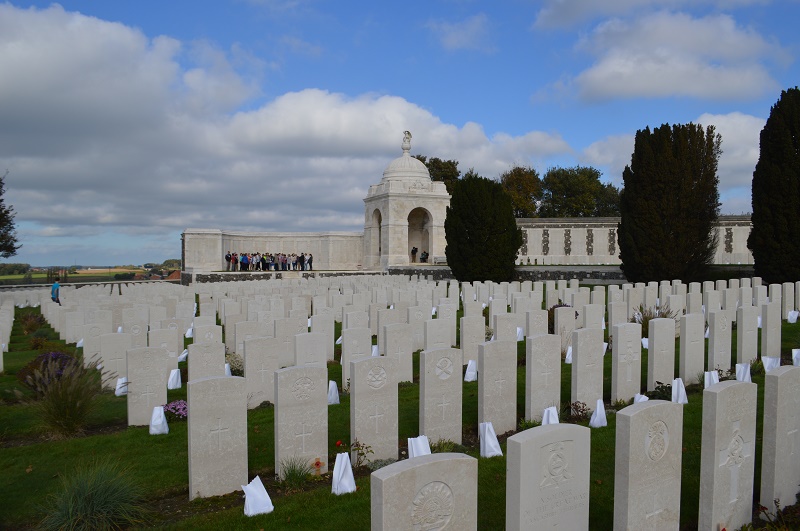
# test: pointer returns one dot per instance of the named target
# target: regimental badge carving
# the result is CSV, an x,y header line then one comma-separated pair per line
x,y
209,335
723,323
657,440
136,329
433,507
555,469
95,331
173,326
376,377
303,388
444,368
735,451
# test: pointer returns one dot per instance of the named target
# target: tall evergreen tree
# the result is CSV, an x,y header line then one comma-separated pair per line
x,y
482,234
775,236
8,233
669,204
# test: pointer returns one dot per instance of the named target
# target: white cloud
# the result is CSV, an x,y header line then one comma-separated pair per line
x,y
667,54
564,13
469,34
110,136
610,154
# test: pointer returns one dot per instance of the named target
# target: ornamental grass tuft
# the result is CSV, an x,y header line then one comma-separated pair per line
x,y
67,393
100,494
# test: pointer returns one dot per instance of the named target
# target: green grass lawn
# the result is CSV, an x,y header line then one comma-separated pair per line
x,y
31,464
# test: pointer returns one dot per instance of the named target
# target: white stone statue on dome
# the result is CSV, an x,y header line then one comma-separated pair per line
x,y
406,141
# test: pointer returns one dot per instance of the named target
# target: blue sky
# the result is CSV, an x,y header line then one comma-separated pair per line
x,y
123,123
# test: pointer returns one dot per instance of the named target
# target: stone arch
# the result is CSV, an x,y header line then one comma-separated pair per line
x,y
376,243
420,226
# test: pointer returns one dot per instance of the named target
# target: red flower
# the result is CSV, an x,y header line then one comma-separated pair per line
x,y
338,443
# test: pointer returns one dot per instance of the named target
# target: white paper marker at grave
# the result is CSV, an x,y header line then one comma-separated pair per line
x,y
792,316
333,393
339,341
605,348
343,482
79,344
550,416
174,381
759,321
433,311
99,367
375,351
598,419
489,445
707,333
796,357
679,392
520,334
122,386
158,422
568,357
640,398
710,378
256,499
418,446
743,372
471,374
184,355
228,369
189,333
645,341
770,362
119,329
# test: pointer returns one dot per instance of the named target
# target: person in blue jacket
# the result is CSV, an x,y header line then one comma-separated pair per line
x,y
54,291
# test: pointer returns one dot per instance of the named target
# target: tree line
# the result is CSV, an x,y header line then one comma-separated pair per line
x,y
561,193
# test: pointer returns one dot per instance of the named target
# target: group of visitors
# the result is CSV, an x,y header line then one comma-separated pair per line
x,y
422,257
269,262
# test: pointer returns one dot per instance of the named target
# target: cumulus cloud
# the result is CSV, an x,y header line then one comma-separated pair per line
x,y
564,13
469,34
110,136
673,54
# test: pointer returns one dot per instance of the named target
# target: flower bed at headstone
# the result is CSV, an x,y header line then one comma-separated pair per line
x,y
59,359
177,410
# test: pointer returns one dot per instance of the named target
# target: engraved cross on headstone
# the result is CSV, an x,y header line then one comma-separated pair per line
x,y
376,417
657,507
443,405
147,394
303,434
218,431
263,370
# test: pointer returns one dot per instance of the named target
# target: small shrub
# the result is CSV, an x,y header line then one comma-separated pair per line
x,y
661,392
295,471
730,374
578,412
236,362
756,367
620,404
525,424
67,395
37,343
99,495
362,451
56,358
443,446
643,315
31,322
176,411
488,334
380,463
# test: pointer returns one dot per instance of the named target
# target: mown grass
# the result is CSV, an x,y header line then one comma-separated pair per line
x,y
32,464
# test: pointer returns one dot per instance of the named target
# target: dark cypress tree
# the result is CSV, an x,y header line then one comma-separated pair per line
x,y
669,204
482,234
775,236
8,233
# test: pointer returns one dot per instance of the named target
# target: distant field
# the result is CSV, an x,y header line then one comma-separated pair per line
x,y
82,275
